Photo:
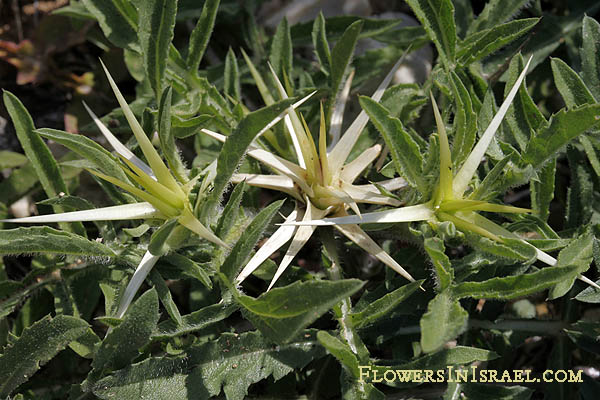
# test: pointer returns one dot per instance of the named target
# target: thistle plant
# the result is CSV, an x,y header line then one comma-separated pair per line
x,y
321,181
448,202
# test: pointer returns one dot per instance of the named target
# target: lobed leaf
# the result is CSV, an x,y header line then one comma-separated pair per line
x,y
560,130
231,363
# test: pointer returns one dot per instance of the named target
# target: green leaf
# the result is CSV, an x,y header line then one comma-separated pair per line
x,y
167,138
589,295
443,268
472,390
281,51
459,355
122,344
497,12
465,122
230,214
201,34
578,253
483,43
37,345
569,84
283,312
236,260
187,267
580,195
233,362
437,17
39,156
383,306
157,21
560,130
512,287
341,55
164,295
339,350
444,320
510,248
234,149
590,55
232,76
158,242
195,321
42,239
319,38
542,190
118,21
10,159
87,149
404,150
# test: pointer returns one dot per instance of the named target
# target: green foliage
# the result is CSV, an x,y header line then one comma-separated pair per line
x,y
198,332
37,345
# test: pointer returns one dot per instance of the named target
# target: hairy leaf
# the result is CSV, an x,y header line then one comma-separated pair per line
x,y
233,363
37,345
119,24
437,17
201,34
283,312
444,320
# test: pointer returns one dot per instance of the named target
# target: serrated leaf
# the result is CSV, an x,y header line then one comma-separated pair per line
x,y
496,12
233,363
201,34
118,24
437,17
341,55
87,149
444,320
155,32
569,84
512,287
465,122
560,130
542,190
231,84
483,43
320,44
234,150
443,268
42,239
383,306
39,156
283,312
590,55
194,321
238,256
281,50
578,253
404,150
37,345
231,211
339,350
122,344
580,194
